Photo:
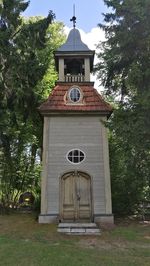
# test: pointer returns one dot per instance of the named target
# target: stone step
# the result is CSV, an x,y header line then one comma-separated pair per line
x,y
78,229
78,225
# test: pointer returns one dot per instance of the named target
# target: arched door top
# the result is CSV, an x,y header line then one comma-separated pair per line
x,y
76,196
76,172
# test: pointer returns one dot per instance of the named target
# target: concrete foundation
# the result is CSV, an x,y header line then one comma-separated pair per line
x,y
104,220
48,219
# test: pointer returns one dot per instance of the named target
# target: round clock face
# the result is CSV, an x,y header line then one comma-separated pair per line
x,y
74,94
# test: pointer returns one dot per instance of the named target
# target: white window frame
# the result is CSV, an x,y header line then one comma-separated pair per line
x,y
75,88
74,163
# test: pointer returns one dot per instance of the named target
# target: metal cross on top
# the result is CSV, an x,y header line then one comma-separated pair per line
x,y
73,19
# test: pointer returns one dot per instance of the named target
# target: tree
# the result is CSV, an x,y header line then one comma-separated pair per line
x,y
22,67
124,70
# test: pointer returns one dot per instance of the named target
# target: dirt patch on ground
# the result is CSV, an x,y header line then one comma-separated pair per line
x,y
106,245
102,244
147,237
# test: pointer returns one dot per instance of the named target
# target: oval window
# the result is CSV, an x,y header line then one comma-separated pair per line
x,y
75,94
75,156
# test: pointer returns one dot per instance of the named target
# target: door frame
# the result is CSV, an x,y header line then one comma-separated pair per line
x,y
60,192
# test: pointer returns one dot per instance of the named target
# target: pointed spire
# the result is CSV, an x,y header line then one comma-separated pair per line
x,y
73,19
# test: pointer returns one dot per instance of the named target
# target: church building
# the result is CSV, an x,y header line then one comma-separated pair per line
x,y
75,184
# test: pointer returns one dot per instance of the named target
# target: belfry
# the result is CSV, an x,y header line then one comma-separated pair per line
x,y
75,177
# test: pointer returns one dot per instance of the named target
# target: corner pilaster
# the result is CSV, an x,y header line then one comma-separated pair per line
x,y
61,69
87,69
108,203
44,175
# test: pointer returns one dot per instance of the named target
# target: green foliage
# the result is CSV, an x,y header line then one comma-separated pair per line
x,y
26,56
124,70
130,158
124,67
55,37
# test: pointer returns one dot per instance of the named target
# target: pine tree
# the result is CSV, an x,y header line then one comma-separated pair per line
x,y
124,70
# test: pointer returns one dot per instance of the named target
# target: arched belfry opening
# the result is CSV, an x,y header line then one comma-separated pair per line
x,y
75,141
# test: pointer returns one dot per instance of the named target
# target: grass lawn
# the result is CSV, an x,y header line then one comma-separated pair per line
x,y
24,242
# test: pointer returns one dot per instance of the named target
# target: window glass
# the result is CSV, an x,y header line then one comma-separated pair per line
x,y
75,156
75,95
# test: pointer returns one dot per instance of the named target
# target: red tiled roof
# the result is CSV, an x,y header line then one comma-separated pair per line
x,y
91,101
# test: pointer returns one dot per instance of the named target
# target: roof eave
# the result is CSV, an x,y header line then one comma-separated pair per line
x,y
46,112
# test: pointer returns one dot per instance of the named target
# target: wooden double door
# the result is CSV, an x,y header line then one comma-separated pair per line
x,y
76,197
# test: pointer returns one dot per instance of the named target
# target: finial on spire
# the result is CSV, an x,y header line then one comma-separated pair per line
x,y
73,19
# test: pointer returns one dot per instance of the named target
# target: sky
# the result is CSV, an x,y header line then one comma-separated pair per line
x,y
87,12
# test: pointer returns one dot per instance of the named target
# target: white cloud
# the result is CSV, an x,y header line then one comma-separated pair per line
x,y
92,39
